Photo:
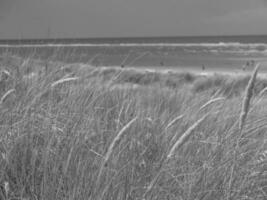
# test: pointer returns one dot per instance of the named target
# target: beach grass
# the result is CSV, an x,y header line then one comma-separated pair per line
x,y
73,131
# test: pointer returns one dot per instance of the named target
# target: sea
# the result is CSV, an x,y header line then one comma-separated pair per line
x,y
215,53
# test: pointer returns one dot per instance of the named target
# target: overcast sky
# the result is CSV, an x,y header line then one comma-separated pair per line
x,y
130,18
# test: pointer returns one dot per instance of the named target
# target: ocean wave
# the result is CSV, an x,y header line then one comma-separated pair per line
x,y
208,45
247,52
241,52
191,48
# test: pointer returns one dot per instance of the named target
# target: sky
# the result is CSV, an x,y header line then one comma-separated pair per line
x,y
130,18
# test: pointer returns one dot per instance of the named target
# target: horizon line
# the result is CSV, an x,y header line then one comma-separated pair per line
x,y
130,37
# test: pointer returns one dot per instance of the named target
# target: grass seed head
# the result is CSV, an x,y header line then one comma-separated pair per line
x,y
247,97
64,80
185,136
6,95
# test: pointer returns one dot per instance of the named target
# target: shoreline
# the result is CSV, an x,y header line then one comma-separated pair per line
x,y
36,64
179,70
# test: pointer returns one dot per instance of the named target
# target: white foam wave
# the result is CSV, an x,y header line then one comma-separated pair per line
x,y
220,44
237,51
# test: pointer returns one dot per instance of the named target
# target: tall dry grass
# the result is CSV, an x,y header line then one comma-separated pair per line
x,y
138,135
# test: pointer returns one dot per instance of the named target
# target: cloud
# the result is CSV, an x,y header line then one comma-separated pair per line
x,y
245,15
264,2
252,21
6,5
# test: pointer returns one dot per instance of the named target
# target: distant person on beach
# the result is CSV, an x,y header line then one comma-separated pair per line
x,y
122,65
203,67
245,66
96,62
252,62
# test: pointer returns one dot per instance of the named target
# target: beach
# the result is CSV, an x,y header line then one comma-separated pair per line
x,y
207,54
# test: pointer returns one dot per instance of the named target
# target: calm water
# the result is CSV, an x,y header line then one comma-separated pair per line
x,y
230,53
